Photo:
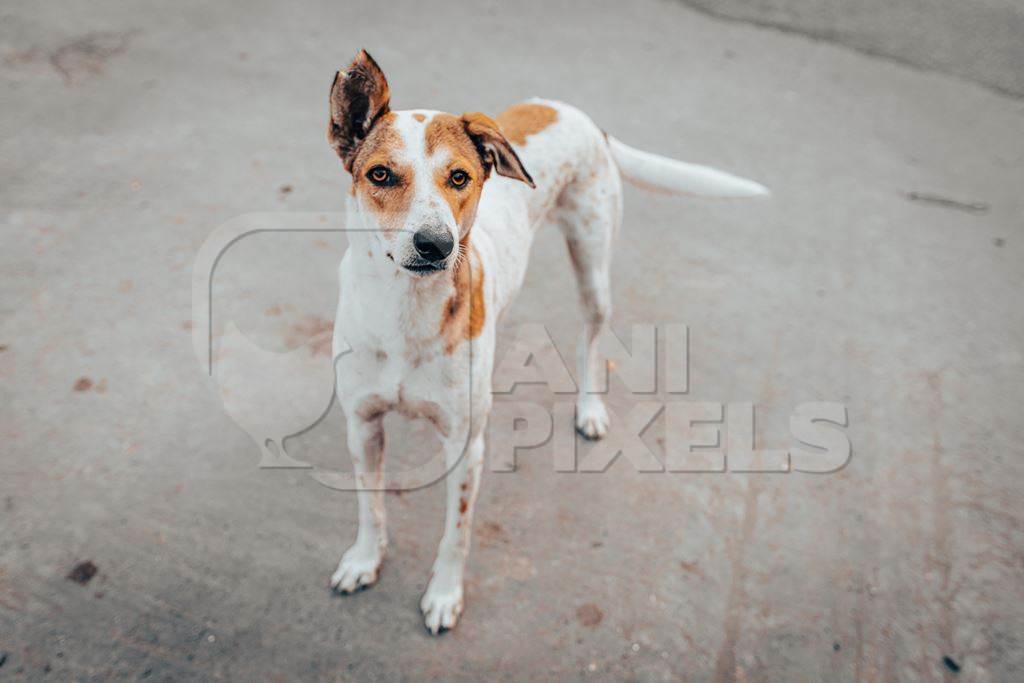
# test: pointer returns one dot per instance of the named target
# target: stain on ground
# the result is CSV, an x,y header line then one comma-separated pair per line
x,y
490,534
86,383
83,572
316,331
589,615
87,55
951,664
691,568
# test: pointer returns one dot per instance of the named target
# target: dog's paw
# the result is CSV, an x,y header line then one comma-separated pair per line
x,y
358,569
441,605
591,417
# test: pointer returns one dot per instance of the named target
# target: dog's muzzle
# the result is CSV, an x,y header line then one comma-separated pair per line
x,y
433,246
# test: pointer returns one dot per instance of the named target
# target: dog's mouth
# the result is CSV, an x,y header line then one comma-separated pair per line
x,y
424,267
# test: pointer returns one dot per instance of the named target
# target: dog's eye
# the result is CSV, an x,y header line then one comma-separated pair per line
x,y
381,175
458,178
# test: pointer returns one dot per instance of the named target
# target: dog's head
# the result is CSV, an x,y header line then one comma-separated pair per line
x,y
416,175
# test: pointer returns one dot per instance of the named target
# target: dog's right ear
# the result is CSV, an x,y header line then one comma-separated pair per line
x,y
359,96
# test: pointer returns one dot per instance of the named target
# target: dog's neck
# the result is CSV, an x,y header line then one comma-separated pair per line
x,y
397,306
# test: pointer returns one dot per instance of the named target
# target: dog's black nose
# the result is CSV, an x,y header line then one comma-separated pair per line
x,y
432,244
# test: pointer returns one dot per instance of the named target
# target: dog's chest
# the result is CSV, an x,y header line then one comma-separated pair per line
x,y
419,383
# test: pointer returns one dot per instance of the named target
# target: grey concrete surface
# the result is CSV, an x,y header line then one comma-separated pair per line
x,y
979,40
130,132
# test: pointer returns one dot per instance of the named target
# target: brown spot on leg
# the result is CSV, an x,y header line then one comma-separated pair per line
x,y
463,505
374,445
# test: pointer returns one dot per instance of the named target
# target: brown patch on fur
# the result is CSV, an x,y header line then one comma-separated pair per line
x,y
374,446
464,313
447,130
524,119
391,203
378,147
426,410
463,506
419,117
477,312
372,408
446,133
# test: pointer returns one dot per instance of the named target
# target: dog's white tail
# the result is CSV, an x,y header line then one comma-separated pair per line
x,y
658,173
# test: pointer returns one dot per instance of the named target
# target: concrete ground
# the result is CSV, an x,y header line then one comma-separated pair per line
x,y
978,40
140,540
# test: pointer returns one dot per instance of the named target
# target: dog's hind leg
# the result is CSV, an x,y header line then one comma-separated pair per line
x,y
589,211
360,564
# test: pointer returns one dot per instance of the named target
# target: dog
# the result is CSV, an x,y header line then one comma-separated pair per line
x,y
442,210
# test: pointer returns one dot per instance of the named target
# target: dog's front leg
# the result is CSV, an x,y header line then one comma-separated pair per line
x,y
360,564
442,601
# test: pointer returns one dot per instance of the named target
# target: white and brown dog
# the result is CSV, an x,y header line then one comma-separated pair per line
x,y
442,211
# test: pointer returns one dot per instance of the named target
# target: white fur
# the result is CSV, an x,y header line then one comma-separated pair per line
x,y
681,177
391,318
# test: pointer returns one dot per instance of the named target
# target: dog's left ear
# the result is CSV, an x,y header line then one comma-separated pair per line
x,y
494,149
359,96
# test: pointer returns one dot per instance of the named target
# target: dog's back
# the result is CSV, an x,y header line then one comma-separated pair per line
x,y
577,170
